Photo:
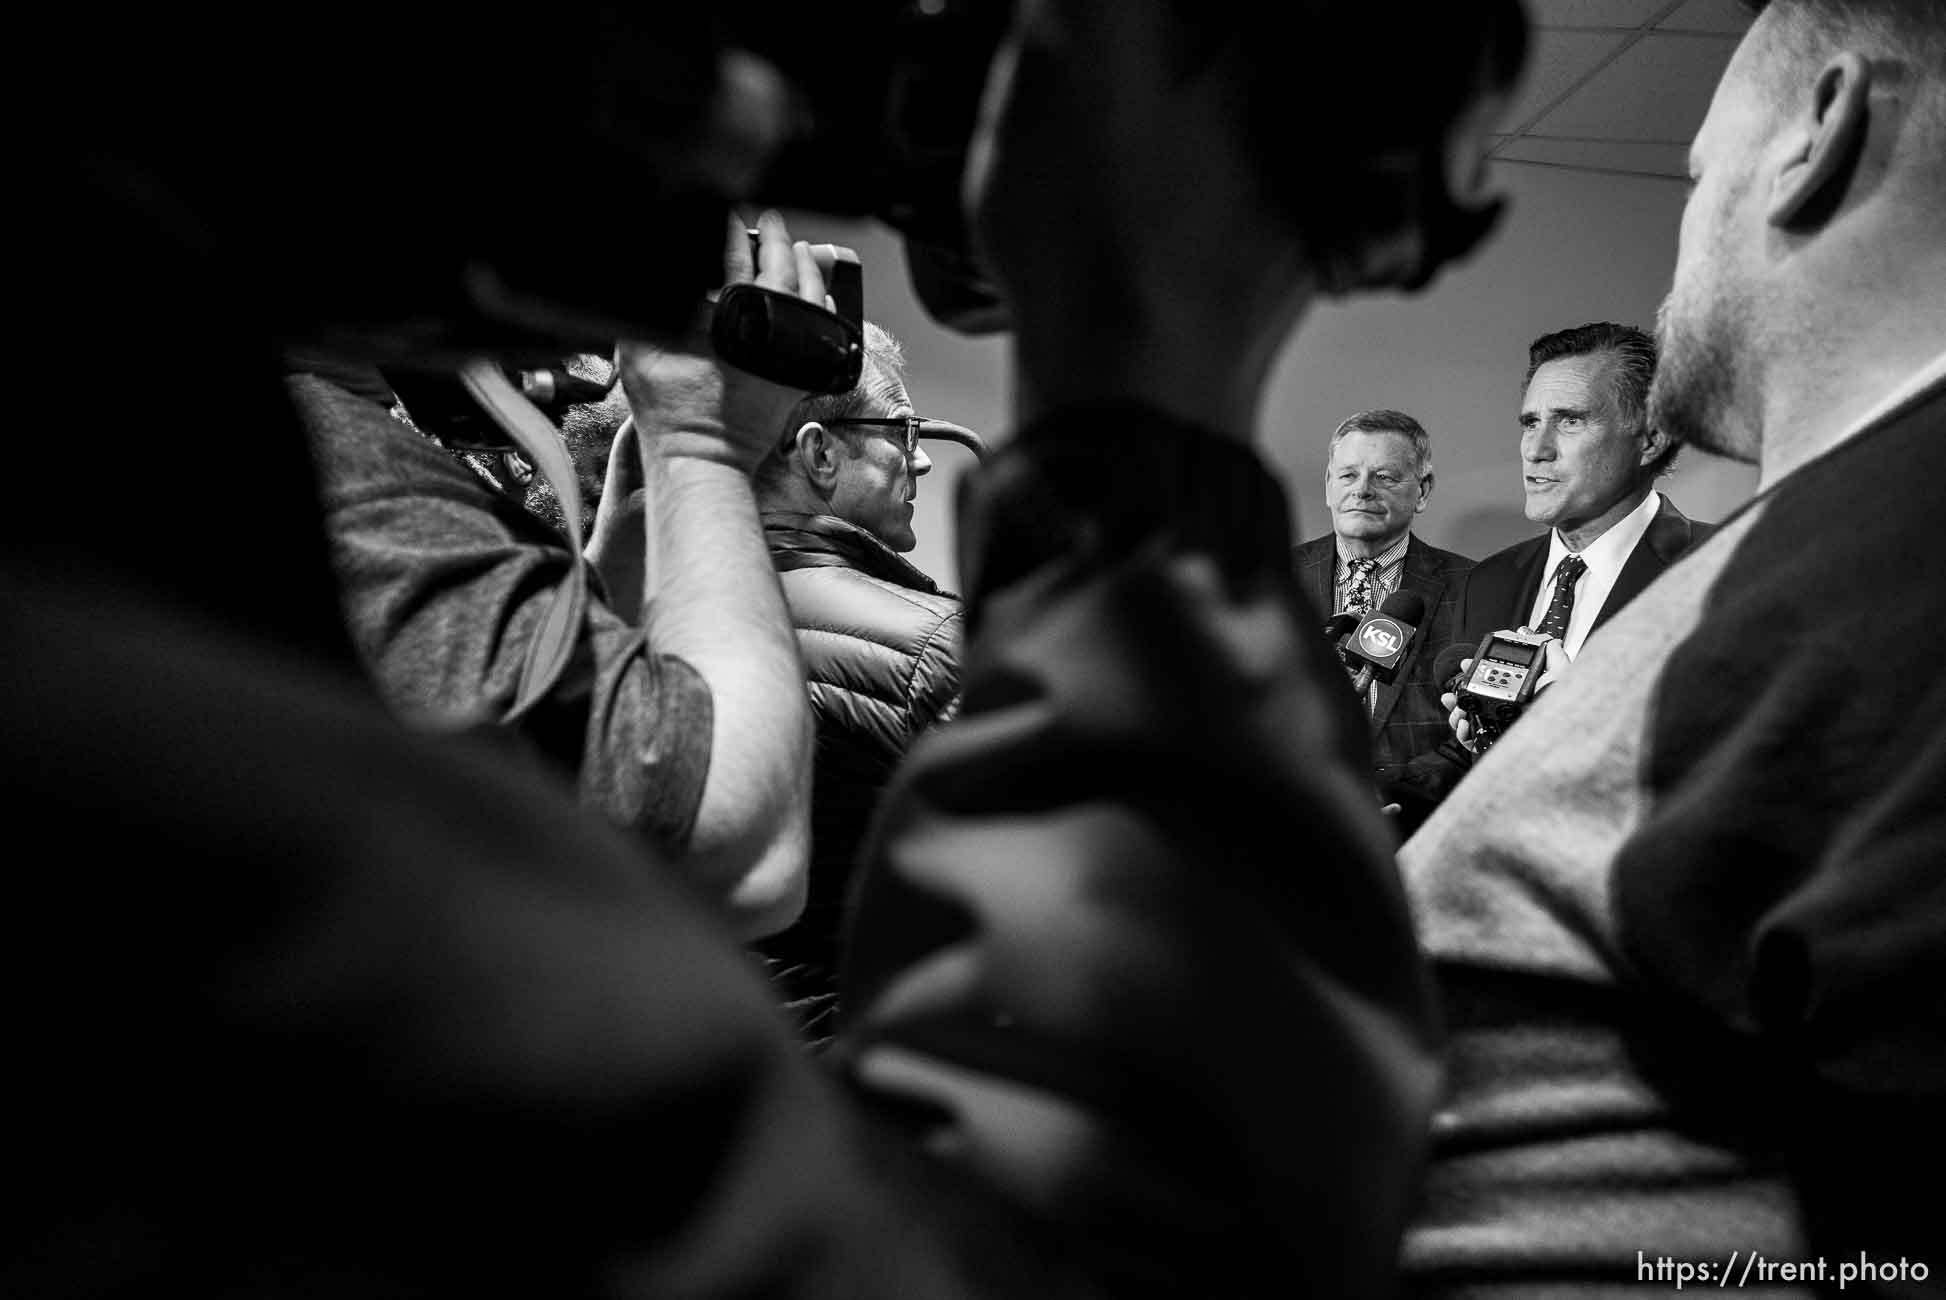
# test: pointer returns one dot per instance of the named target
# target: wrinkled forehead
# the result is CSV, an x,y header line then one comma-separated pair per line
x,y
1373,447
1579,383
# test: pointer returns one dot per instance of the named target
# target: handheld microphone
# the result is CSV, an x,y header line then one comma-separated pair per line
x,y
1378,645
1338,627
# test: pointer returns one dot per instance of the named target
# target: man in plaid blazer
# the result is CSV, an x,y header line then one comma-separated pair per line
x,y
1379,478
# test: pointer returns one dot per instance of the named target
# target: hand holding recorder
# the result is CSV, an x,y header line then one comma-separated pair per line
x,y
1489,690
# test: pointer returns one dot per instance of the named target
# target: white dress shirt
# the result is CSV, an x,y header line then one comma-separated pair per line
x,y
1604,557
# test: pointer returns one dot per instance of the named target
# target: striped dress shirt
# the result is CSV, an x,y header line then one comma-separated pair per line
x,y
1391,564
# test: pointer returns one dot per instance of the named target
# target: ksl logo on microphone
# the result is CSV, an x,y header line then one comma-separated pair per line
x,y
1381,638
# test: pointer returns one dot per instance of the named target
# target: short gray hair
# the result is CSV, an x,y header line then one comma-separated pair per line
x,y
1382,420
1804,33
883,354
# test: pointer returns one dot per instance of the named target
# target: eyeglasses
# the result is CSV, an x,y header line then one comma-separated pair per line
x,y
910,423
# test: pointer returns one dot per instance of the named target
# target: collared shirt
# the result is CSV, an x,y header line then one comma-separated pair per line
x,y
1604,557
1391,564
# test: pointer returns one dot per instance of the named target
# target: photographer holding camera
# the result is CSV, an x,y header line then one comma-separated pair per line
x,y
688,725
1087,892
1136,1006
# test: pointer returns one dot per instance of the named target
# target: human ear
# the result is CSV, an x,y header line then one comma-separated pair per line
x,y
1654,443
1827,135
817,452
1425,491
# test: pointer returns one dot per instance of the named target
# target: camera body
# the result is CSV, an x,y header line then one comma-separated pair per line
x,y
891,95
477,204
1497,689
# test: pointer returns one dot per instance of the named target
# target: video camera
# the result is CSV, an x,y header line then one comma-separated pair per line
x,y
890,137
533,193
776,335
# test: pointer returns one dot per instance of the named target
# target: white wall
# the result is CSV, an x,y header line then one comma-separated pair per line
x,y
950,377
1572,248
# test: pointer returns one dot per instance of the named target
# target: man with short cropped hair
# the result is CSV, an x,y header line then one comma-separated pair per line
x,y
1589,461
1688,915
677,714
1141,1013
1379,478
880,639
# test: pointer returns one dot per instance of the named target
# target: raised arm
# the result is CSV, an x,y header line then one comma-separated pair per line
x,y
1131,944
710,596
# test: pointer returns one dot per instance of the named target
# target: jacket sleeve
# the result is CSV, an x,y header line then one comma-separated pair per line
x,y
1782,905
444,587
1140,979
933,695
1422,782
1130,945
433,1030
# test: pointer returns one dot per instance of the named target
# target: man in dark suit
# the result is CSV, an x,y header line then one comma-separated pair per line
x,y
1688,924
1589,461
1379,478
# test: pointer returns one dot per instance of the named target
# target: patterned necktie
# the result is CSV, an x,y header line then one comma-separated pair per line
x,y
1364,576
1555,624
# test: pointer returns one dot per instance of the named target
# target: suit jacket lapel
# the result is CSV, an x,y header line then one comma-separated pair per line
x,y
1319,569
1666,538
1533,572
1422,576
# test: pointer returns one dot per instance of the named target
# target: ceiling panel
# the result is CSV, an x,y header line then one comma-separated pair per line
x,y
1594,13
1559,60
1657,89
1618,85
1625,156
1725,17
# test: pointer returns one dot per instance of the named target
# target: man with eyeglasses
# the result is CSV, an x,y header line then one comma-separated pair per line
x,y
880,639
677,712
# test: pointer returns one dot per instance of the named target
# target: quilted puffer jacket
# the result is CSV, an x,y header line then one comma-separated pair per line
x,y
881,646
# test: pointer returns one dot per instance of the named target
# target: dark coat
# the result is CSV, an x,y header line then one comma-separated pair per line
x,y
881,648
1407,720
1139,870
1501,589
1499,594
1748,1029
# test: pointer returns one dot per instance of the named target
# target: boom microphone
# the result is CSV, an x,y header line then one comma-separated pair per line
x,y
1377,647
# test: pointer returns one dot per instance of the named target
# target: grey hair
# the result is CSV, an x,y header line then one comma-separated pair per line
x,y
883,355
1382,420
